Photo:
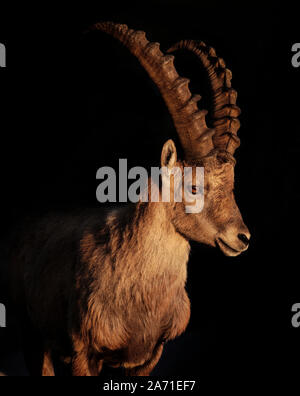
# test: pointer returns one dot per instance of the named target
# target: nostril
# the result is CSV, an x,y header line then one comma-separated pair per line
x,y
244,239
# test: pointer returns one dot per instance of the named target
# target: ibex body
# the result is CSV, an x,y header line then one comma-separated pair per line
x,y
115,287
109,287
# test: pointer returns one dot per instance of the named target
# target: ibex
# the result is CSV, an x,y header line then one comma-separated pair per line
x,y
109,287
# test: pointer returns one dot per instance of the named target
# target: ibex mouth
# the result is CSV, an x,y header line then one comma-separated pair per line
x,y
226,249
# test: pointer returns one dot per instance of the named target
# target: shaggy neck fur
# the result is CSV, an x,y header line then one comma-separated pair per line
x,y
143,241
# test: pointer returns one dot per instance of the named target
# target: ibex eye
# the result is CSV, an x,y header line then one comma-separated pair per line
x,y
195,189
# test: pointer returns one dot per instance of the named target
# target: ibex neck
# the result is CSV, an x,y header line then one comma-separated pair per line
x,y
150,240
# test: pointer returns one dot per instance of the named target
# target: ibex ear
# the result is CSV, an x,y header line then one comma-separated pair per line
x,y
168,154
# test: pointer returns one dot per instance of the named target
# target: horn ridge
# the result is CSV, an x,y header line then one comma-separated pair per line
x,y
173,88
225,111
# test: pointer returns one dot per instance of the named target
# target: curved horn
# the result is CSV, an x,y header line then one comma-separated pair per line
x,y
225,111
189,121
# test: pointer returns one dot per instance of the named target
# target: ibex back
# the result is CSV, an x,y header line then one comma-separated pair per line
x,y
109,286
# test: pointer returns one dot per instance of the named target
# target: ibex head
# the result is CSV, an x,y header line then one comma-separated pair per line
x,y
220,221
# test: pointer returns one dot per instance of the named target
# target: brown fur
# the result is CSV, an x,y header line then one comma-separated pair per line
x,y
110,286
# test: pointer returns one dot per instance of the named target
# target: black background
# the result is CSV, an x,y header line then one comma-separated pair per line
x,y
71,103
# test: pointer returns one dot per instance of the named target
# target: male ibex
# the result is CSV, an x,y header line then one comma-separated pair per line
x,y
111,285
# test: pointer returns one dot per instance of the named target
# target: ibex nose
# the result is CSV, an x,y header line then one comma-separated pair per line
x,y
235,240
244,238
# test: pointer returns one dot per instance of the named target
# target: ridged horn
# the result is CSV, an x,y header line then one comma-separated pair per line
x,y
189,121
225,111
